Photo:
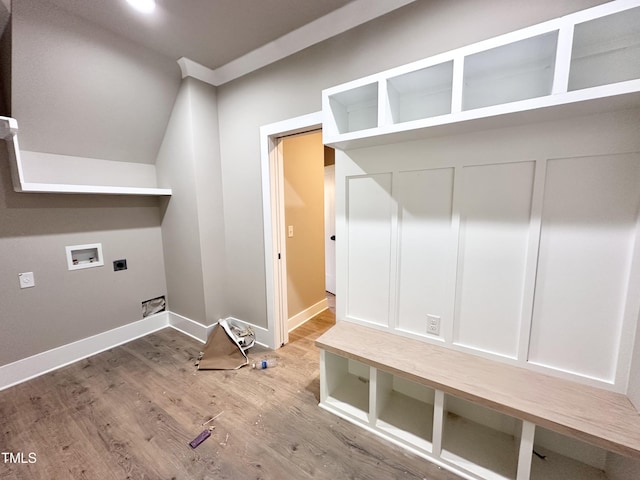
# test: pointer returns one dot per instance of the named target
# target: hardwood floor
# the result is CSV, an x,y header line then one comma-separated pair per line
x,y
130,412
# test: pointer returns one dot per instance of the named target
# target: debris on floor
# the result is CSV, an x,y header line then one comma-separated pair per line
x,y
226,347
262,364
201,438
205,433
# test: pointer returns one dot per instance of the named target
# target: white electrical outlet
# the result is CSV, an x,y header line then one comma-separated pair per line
x,y
433,324
26,280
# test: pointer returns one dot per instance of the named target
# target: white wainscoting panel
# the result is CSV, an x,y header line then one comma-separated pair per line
x,y
588,234
525,241
427,248
494,236
369,216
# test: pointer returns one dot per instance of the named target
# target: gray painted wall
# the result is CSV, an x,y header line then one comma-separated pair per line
x,y
193,225
293,86
81,90
65,306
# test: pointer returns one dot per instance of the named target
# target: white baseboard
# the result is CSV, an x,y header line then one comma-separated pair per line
x,y
263,337
41,363
307,314
31,367
190,327
201,332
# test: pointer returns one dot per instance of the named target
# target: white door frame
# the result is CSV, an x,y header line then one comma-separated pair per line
x,y
273,219
330,228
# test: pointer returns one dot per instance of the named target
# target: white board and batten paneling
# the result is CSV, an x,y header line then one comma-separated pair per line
x,y
587,240
495,216
520,240
426,247
507,213
488,200
369,214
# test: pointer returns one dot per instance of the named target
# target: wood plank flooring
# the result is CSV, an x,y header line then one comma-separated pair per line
x,y
130,412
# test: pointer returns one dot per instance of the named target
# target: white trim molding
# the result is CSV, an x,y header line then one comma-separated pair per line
x,y
272,200
263,337
31,367
339,21
189,327
189,68
201,332
307,314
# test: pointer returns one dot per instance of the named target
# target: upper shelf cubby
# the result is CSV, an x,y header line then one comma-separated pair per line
x,y
38,172
606,50
511,72
424,93
582,63
355,109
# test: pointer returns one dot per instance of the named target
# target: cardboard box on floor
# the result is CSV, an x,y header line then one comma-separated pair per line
x,y
222,351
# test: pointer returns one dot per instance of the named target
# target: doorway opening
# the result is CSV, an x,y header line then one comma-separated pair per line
x,y
282,209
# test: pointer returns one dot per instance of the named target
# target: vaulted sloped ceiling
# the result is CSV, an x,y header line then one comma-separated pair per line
x,y
95,78
210,32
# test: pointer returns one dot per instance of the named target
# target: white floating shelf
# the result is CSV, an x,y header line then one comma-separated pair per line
x,y
92,189
30,171
583,63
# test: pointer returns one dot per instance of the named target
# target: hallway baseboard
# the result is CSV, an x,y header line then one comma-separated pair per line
x,y
307,314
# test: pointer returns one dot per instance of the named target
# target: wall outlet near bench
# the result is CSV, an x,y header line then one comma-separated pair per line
x,y
433,324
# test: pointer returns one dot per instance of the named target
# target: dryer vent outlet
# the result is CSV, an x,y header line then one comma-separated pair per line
x,y
155,305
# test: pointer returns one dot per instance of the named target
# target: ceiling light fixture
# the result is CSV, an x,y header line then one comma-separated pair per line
x,y
144,6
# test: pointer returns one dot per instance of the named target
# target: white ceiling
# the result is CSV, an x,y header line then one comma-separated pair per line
x,y
216,32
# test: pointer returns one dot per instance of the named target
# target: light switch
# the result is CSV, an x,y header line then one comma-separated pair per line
x,y
26,280
290,231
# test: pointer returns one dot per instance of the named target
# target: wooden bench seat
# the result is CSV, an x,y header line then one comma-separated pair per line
x,y
593,415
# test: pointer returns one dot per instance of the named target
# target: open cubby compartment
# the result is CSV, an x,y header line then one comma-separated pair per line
x,y
347,386
355,109
421,94
606,50
516,71
479,440
557,457
404,410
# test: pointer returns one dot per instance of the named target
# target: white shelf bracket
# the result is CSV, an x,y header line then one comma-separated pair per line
x,y
9,132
